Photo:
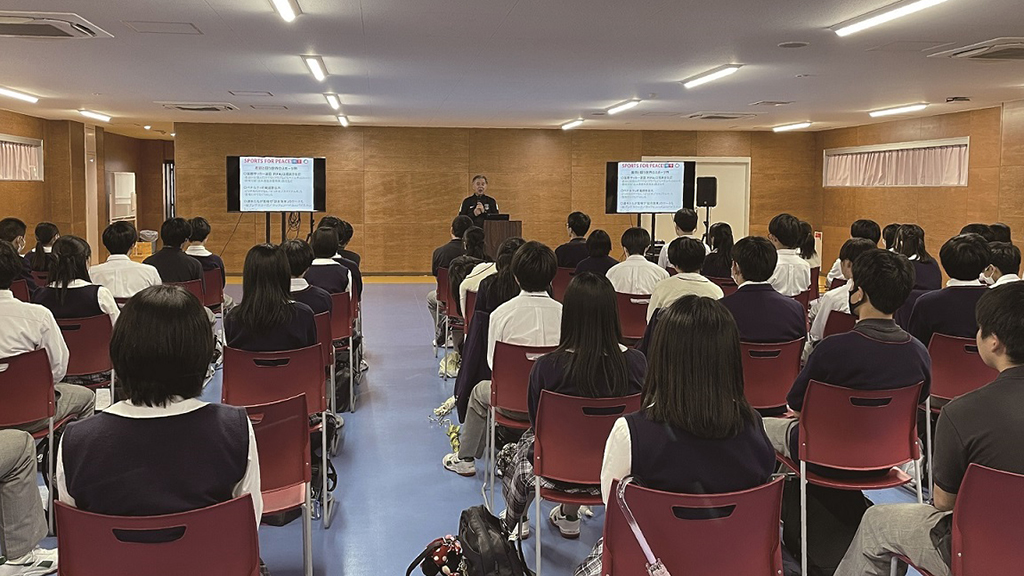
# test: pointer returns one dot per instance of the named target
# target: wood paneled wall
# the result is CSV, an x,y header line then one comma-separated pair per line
x,y
25,200
401,187
146,159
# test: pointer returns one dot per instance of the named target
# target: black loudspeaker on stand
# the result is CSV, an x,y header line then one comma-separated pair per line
x,y
707,198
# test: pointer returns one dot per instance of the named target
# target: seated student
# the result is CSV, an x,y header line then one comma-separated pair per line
x,y
837,299
950,311
119,274
574,251
910,242
807,249
983,230
23,521
1001,232
532,318
39,257
197,249
792,273
984,427
460,267
356,278
695,435
500,287
267,319
635,275
718,263
876,355
867,229
761,313
473,281
325,272
442,257
889,235
687,256
300,258
26,327
345,233
13,230
599,246
1004,265
685,220
171,262
161,451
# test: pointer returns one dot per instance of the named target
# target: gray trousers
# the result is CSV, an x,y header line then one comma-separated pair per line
x,y
72,400
777,430
473,435
889,529
22,519
432,308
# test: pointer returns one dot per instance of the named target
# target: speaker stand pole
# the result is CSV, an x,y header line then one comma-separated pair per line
x,y
267,214
654,221
707,223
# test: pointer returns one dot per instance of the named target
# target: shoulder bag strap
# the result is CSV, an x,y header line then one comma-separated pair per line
x,y
654,565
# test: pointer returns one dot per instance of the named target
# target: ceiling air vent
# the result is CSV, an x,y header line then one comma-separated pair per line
x,y
720,116
15,24
989,50
199,106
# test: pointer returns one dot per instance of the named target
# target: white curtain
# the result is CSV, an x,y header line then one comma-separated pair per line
x,y
935,166
19,161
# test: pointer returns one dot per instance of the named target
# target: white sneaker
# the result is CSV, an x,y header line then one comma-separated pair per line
x,y
523,531
568,528
461,467
36,563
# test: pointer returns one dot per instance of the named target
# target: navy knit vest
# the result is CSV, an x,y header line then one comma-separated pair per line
x,y
78,302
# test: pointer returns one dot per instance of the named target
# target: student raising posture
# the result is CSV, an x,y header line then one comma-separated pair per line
x,y
950,311
686,256
39,258
574,251
635,275
599,246
761,313
792,272
119,274
718,263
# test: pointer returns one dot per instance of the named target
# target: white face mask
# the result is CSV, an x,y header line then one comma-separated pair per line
x,y
986,279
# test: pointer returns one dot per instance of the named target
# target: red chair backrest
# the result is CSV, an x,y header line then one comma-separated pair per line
x,y
193,286
815,288
957,367
562,278
804,298
213,287
697,535
728,285
341,315
836,283
769,371
40,278
470,306
282,438
26,386
20,290
987,531
671,271
252,378
88,341
571,433
859,429
219,539
510,377
443,290
633,314
839,323
323,335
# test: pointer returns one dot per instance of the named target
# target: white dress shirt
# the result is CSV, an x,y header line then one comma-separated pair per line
x,y
123,277
250,483
330,262
25,327
836,300
685,283
298,285
1005,279
618,457
635,275
473,280
103,296
530,319
663,255
198,250
836,273
792,273
953,282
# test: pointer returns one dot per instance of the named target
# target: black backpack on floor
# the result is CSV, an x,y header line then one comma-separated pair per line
x,y
486,548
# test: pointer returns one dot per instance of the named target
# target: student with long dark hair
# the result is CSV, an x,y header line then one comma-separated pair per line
x,y
910,242
696,433
599,246
590,362
462,266
889,235
267,319
502,286
39,259
718,264
807,249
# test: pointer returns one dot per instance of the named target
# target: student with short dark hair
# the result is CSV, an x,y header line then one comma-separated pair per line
x,y
837,299
983,230
685,220
866,229
197,249
599,248
761,313
119,274
1004,265
889,235
355,276
267,319
635,275
718,263
950,311
171,262
1001,232
792,274
442,257
984,427
38,258
13,230
687,256
574,251
345,233
183,454
300,258
324,272
696,433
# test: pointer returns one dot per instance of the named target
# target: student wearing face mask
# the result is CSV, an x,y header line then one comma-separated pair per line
x,y
1004,266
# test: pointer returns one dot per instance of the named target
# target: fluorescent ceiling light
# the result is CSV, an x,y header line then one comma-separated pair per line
x,y
887,14
19,95
623,107
316,66
94,115
712,75
172,134
147,127
343,120
898,110
787,127
333,100
572,124
288,9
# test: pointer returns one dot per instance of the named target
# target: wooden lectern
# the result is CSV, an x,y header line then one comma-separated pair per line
x,y
497,231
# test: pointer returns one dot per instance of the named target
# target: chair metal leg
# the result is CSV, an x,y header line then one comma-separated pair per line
x,y
487,450
307,533
332,385
351,378
436,317
493,454
539,522
112,379
803,517
919,479
893,564
51,465
325,495
928,447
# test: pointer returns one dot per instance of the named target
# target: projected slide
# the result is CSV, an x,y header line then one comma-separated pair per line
x,y
275,184
649,187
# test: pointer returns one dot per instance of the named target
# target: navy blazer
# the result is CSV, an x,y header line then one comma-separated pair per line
x,y
764,315
949,311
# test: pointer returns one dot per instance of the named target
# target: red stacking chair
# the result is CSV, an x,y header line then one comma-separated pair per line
x,y
40,278
323,336
441,295
219,539
856,430
213,289
282,438
986,524
633,314
815,288
769,371
26,384
20,290
804,298
569,445
470,307
836,283
696,534
193,286
341,332
671,271
839,323
727,285
562,278
88,341
510,384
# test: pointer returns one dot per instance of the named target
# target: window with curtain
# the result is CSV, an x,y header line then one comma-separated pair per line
x,y
939,163
20,159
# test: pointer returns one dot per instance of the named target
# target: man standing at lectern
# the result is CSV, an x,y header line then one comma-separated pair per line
x,y
479,204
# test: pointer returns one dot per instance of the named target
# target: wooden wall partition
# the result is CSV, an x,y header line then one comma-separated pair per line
x,y
25,200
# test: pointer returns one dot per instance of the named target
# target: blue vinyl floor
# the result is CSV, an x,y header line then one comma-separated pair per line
x,y
393,495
